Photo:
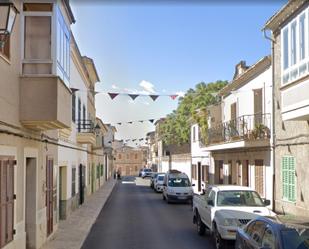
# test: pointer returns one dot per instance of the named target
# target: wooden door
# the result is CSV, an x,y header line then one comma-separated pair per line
x,y
233,111
6,201
259,177
49,195
258,106
245,173
199,177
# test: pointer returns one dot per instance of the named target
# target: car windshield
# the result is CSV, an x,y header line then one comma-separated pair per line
x,y
295,238
160,178
239,198
147,170
178,182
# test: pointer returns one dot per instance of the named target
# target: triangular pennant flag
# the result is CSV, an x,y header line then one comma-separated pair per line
x,y
141,121
113,95
133,96
174,96
74,90
130,122
118,123
151,120
121,140
141,139
95,93
133,140
154,97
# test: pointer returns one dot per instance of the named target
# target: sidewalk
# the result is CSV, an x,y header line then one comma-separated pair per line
x,y
73,231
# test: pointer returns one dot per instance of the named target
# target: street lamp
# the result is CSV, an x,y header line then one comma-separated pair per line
x,y
97,129
8,14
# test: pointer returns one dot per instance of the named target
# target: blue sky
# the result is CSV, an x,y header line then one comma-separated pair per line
x,y
171,46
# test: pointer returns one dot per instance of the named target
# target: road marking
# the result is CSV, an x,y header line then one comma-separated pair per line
x,y
125,182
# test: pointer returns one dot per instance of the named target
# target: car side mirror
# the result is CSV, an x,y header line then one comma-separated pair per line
x,y
203,192
164,184
193,184
210,203
266,202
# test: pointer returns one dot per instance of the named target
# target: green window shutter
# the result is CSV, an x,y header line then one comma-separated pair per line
x,y
284,178
288,178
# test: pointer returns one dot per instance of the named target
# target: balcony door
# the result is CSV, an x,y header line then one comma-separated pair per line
x,y
258,106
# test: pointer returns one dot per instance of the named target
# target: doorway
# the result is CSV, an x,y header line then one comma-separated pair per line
x,y
62,192
31,200
219,174
81,184
49,195
199,177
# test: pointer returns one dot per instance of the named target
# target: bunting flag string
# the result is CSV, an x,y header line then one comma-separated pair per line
x,y
135,121
133,96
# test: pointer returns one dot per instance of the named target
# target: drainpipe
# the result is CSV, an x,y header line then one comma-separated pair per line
x,y
273,41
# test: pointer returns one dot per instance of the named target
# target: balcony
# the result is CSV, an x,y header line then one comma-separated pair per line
x,y
85,132
45,103
245,131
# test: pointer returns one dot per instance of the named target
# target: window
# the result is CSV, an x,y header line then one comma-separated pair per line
x,y
6,201
98,171
293,43
119,156
288,178
63,47
211,197
101,169
73,107
37,45
285,48
258,232
73,181
5,50
268,239
135,156
302,52
294,40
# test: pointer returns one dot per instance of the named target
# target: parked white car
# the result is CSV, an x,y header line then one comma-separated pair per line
x,y
224,208
177,187
158,182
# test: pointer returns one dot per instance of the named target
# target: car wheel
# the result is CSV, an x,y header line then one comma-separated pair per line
x,y
200,225
163,197
219,242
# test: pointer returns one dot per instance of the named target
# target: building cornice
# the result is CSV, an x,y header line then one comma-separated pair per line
x,y
254,70
284,13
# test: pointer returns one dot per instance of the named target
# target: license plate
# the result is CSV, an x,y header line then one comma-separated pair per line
x,y
182,197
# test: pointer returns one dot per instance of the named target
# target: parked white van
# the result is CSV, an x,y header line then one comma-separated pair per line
x,y
177,187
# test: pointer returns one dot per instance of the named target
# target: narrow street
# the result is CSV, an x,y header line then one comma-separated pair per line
x,y
135,217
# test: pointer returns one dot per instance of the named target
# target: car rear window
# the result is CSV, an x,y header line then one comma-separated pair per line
x,y
160,178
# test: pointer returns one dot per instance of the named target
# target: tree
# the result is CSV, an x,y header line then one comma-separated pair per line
x,y
175,129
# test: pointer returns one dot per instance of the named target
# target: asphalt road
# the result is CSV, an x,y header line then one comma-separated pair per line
x,y
135,217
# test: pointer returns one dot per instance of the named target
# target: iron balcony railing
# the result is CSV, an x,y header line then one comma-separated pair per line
x,y
85,126
247,127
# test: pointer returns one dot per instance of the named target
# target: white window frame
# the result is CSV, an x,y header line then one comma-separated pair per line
x,y
62,67
293,71
27,61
